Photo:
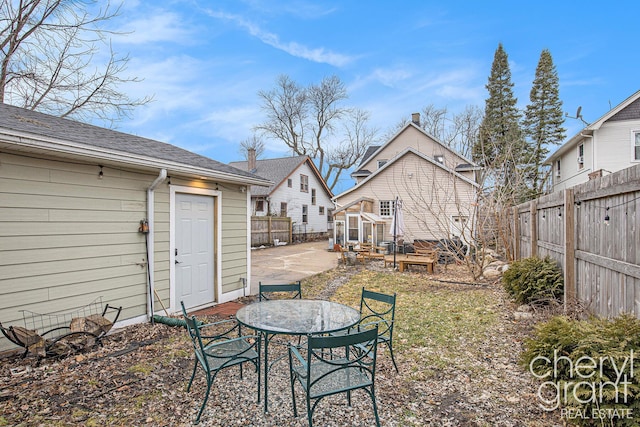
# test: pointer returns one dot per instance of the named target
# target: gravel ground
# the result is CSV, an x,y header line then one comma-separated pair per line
x,y
139,378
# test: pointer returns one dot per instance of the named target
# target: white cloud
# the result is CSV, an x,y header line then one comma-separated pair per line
x,y
153,28
320,55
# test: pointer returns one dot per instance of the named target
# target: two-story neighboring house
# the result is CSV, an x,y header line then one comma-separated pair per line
x,y
298,192
609,144
436,186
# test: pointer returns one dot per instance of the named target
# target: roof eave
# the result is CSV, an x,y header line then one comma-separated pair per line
x,y
101,154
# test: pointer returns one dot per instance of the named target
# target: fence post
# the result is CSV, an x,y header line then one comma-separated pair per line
x,y
516,234
569,248
533,216
270,230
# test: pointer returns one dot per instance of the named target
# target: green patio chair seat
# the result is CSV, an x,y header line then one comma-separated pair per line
x,y
322,374
221,350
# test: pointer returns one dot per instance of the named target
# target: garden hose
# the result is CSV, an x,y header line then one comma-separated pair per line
x,y
173,321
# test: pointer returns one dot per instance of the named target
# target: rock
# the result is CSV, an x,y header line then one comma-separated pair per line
x,y
519,315
491,274
524,308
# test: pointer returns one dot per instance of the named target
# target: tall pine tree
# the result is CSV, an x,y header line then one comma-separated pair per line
x,y
543,118
501,148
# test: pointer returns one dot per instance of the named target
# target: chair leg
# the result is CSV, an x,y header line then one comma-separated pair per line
x,y
393,359
204,403
310,409
375,406
193,375
292,380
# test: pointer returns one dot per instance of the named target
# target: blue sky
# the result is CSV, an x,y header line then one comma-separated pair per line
x,y
205,61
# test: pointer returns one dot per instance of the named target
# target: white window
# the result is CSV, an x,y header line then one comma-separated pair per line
x,y
289,183
352,228
580,156
259,205
558,168
313,196
304,183
283,209
387,208
305,214
458,225
321,210
636,145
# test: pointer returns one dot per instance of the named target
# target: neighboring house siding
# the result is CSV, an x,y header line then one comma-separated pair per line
x,y
295,199
609,145
614,145
67,237
430,196
570,172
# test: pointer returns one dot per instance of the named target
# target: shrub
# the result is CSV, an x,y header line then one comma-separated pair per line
x,y
587,368
534,280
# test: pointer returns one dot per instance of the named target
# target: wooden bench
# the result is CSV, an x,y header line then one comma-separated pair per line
x,y
427,261
405,260
374,252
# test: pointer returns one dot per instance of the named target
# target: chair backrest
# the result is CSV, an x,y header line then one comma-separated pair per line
x,y
294,290
378,309
196,339
360,353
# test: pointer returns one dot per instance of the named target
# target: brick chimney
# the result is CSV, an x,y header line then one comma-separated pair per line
x,y
415,118
251,159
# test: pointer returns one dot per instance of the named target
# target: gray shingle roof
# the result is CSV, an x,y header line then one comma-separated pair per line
x,y
43,125
275,170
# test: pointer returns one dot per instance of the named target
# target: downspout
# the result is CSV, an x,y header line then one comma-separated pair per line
x,y
150,240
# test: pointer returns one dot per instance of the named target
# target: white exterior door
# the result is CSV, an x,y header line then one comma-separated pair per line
x,y
194,253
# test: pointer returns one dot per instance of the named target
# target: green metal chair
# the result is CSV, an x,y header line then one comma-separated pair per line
x,y
323,373
226,349
292,290
379,310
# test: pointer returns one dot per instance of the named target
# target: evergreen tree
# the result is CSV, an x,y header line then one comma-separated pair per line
x,y
543,117
500,147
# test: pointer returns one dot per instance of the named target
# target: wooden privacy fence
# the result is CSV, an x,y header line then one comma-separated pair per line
x,y
592,231
266,229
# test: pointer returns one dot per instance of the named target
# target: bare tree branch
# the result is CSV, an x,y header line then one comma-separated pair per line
x,y
311,121
49,63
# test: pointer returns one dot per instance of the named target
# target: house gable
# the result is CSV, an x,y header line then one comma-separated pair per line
x,y
432,194
307,204
410,136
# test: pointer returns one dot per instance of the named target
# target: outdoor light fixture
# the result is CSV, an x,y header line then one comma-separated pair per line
x,y
606,217
100,174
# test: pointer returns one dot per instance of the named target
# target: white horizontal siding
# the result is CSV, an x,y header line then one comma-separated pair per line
x,y
295,198
430,196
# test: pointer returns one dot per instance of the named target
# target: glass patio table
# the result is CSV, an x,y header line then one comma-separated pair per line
x,y
294,317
